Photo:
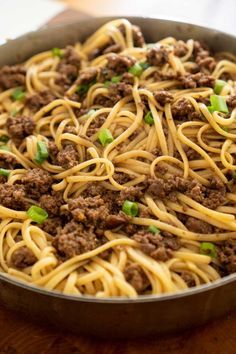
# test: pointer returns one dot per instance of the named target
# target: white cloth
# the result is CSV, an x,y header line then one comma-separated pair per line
x,y
20,16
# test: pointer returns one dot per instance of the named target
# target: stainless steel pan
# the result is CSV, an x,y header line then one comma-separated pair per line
x,y
146,315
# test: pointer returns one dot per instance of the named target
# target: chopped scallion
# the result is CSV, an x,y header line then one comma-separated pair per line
x,y
208,249
219,84
153,229
37,214
18,94
42,152
107,84
136,69
56,52
105,137
4,138
149,118
219,104
4,147
115,79
4,172
130,208
144,65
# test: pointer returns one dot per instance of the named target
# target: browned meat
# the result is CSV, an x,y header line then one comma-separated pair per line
x,y
227,256
192,154
94,210
215,194
206,64
121,177
180,49
103,101
23,257
183,110
74,238
156,246
68,68
12,197
87,75
7,161
119,63
138,36
157,56
68,157
130,193
118,91
37,182
113,221
211,197
19,127
197,80
51,225
53,151
231,101
127,78
12,76
198,226
96,124
136,277
51,203
113,48
163,97
39,100
188,278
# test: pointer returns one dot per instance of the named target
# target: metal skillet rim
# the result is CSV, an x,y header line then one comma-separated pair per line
x,y
117,300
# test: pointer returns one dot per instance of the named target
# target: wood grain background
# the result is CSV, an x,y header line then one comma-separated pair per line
x,y
19,336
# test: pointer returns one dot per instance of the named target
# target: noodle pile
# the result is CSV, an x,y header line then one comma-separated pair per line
x,y
141,151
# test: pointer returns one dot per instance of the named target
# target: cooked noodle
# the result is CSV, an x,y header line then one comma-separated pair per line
x,y
127,259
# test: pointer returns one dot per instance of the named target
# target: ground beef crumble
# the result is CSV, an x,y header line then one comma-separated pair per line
x,y
136,277
75,238
36,182
19,127
23,257
227,256
157,246
12,76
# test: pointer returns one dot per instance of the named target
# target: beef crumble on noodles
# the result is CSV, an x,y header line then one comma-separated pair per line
x,y
118,165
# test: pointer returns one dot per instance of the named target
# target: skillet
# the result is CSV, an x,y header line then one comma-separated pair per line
x,y
113,317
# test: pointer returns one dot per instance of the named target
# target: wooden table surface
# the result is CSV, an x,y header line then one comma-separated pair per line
x,y
19,336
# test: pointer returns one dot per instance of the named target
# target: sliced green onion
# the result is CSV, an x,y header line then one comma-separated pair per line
x,y
136,70
4,172
18,94
115,79
56,52
219,104
153,229
107,84
4,138
105,137
234,175
130,208
210,109
149,118
219,86
144,65
208,249
37,214
42,153
4,147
